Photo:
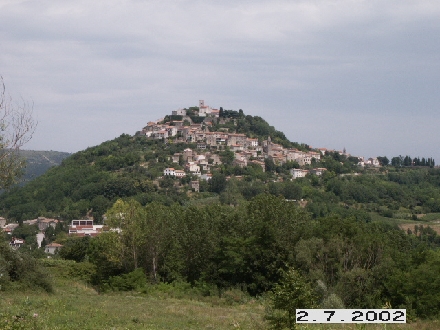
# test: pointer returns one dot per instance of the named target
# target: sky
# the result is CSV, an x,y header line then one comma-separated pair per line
x,y
354,74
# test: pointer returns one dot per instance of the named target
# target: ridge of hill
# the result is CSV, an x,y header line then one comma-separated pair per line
x,y
39,161
202,155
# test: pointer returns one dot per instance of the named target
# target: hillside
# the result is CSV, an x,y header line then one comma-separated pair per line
x,y
223,156
38,162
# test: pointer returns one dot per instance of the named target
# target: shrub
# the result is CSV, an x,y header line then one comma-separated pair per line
x,y
20,271
136,280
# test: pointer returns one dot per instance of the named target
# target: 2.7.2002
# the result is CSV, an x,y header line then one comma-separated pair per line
x,y
351,316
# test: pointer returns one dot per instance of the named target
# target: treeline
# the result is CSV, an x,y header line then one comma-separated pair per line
x,y
407,161
360,264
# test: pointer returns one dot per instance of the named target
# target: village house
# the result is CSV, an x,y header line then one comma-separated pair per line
x,y
236,147
206,177
169,171
179,173
16,243
251,143
318,171
179,112
192,167
177,123
260,163
9,228
214,159
372,162
84,228
176,157
195,186
298,173
52,248
188,155
44,223
236,139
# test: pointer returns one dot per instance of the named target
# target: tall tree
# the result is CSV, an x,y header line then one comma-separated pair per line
x,y
128,217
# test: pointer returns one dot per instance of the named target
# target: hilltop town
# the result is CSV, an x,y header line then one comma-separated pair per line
x,y
198,125
208,141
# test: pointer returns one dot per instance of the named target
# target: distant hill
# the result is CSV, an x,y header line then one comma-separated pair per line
x,y
38,162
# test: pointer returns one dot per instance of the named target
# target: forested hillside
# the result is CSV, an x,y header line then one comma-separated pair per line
x,y
38,162
93,179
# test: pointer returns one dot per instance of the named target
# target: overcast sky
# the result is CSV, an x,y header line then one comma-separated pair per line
x,y
364,75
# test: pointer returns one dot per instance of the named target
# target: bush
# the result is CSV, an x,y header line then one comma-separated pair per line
x,y
20,271
136,280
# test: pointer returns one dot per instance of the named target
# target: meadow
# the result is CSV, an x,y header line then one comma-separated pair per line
x,y
76,305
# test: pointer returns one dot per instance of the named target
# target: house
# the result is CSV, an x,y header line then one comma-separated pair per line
x,y
262,164
16,243
236,139
298,173
204,165
304,159
215,113
169,171
179,112
252,143
9,228
52,248
179,173
162,134
192,167
176,157
318,171
195,185
215,159
84,228
188,155
206,177
373,162
2,222
240,162
316,155
236,147
44,223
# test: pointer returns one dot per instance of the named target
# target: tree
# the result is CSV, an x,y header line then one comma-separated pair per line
x,y
16,129
291,293
383,160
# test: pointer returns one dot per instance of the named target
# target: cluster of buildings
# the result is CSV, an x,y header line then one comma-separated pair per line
x,y
179,128
79,228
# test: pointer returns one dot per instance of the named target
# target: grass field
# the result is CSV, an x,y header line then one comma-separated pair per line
x,y
75,305
88,310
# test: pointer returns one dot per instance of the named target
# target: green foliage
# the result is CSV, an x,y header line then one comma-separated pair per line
x,y
292,292
75,248
27,232
20,271
135,280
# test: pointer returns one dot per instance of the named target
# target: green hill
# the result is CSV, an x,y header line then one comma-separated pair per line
x,y
90,181
38,162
